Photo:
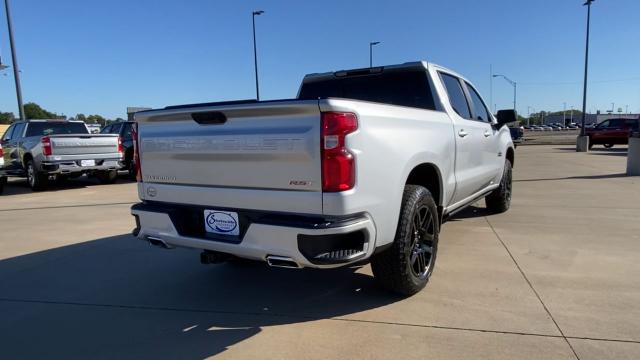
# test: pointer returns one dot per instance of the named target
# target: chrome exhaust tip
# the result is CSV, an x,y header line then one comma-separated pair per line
x,y
156,241
282,262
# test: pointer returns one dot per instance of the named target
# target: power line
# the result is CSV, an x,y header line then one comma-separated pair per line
x,y
578,82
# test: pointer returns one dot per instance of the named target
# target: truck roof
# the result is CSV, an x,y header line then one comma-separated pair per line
x,y
50,120
413,65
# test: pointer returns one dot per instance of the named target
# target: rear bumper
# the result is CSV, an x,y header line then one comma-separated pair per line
x,y
309,241
73,166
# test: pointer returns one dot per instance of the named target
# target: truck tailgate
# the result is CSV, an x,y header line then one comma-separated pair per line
x,y
84,144
257,146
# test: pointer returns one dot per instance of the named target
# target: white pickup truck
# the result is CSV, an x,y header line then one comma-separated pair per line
x,y
365,164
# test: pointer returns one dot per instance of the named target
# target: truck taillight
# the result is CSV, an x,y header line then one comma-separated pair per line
x,y
338,163
46,146
1,151
120,146
136,152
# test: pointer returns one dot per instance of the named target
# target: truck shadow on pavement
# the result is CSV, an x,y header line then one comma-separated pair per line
x,y
585,177
20,186
117,297
621,151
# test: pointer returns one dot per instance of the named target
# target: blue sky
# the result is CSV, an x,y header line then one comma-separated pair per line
x,y
102,56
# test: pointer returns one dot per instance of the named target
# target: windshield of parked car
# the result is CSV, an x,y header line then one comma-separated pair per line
x,y
55,128
405,88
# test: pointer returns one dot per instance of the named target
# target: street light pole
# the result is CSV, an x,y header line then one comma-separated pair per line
x,y
584,92
14,60
515,88
255,51
371,44
564,114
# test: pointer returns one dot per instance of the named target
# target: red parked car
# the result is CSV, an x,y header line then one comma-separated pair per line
x,y
612,132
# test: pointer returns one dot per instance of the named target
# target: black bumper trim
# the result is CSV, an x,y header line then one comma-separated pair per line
x,y
189,220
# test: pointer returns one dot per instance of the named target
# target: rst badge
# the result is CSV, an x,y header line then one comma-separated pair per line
x,y
221,222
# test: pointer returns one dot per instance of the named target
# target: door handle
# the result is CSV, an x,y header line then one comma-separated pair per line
x,y
487,133
462,133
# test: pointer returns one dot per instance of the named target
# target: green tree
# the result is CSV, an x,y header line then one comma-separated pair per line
x,y
34,111
6,117
81,117
95,119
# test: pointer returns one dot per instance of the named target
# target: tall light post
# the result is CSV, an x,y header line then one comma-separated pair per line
x,y
572,115
564,114
371,45
255,51
14,60
515,87
529,114
582,144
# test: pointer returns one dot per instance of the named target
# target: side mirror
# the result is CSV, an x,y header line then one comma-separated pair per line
x,y
505,117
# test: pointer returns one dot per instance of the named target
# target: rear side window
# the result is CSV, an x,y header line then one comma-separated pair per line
x,y
115,129
480,110
55,128
18,131
7,134
616,123
633,124
404,88
127,132
456,95
106,130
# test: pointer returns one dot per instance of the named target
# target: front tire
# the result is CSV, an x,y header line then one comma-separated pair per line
x,y
37,180
406,266
499,200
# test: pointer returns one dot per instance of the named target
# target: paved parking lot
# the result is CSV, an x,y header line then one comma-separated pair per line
x,y
556,277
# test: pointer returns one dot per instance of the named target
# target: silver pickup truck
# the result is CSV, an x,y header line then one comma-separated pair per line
x,y
365,164
39,149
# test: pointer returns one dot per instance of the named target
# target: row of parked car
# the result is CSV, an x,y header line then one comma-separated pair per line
x,y
552,127
42,150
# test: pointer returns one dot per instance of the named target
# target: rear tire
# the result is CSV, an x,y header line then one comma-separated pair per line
x,y
499,200
608,146
406,266
37,180
3,182
107,177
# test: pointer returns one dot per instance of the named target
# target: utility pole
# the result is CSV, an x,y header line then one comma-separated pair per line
x,y
515,87
491,84
255,51
14,60
371,45
582,144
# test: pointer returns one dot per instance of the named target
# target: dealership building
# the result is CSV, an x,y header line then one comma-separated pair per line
x,y
590,118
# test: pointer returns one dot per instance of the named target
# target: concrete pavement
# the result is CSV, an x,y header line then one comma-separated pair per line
x,y
555,277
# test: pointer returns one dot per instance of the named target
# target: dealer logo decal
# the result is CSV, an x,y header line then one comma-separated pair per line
x,y
221,221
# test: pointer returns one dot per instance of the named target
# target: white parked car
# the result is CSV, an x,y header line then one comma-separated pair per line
x,y
364,164
3,178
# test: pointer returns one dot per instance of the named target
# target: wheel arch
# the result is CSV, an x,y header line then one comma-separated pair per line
x,y
429,176
511,156
26,157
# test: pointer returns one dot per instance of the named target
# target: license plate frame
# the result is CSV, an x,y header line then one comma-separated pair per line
x,y
221,222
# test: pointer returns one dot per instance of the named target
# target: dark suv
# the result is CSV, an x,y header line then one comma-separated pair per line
x,y
612,132
124,130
